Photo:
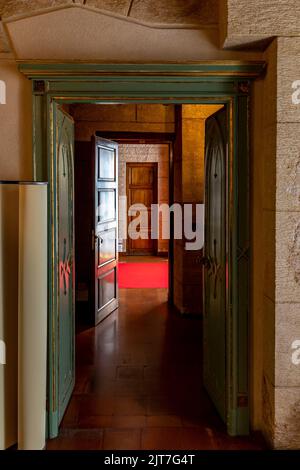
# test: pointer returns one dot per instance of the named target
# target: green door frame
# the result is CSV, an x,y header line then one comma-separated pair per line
x,y
202,83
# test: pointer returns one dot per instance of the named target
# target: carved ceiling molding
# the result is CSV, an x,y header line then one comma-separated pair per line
x,y
152,13
177,12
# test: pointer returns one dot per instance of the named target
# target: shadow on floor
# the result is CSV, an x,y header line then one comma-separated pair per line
x,y
139,383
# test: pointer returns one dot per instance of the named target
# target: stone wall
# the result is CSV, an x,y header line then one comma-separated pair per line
x,y
256,23
275,320
275,241
287,260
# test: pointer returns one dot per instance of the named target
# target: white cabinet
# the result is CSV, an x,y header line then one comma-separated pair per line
x,y
23,314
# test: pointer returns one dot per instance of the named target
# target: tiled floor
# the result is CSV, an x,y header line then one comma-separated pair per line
x,y
139,383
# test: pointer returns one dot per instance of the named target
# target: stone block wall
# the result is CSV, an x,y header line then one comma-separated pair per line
x,y
251,23
275,262
275,310
263,187
287,261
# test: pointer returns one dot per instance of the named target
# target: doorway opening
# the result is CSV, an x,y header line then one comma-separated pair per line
x,y
207,83
140,370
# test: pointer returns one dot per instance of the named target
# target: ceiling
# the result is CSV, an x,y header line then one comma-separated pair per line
x,y
163,13
153,11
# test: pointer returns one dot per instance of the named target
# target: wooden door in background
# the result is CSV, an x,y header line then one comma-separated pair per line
x,y
141,189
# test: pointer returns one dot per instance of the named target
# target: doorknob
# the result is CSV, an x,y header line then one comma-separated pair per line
x,y
95,239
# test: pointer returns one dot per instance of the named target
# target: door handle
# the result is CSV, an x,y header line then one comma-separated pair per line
x,y
95,238
206,261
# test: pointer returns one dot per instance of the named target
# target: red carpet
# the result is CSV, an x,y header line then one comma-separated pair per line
x,y
143,275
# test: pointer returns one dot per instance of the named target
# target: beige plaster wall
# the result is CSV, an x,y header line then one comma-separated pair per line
x,y
15,125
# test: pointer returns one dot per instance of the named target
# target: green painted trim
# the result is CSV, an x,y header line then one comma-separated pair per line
x,y
39,70
202,83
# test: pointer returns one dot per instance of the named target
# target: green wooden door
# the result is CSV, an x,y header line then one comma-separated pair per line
x,y
63,350
215,261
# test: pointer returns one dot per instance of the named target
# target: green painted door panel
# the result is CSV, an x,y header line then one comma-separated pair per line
x,y
215,261
64,379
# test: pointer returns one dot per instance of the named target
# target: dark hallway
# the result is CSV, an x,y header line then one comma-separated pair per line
x,y
138,383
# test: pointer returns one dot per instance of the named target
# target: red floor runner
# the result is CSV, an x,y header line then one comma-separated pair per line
x,y
143,275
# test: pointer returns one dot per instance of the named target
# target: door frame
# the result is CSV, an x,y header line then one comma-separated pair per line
x,y
224,82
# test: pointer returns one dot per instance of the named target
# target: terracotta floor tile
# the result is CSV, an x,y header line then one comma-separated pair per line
x,y
92,405
122,439
225,442
104,372
98,422
163,421
74,444
130,373
130,358
128,422
160,405
161,438
126,406
72,413
139,383
102,386
198,439
77,440
127,388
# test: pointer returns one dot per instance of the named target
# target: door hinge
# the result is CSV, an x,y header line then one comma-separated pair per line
x,y
242,400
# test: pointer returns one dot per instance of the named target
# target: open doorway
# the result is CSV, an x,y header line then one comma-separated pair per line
x,y
136,175
126,376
